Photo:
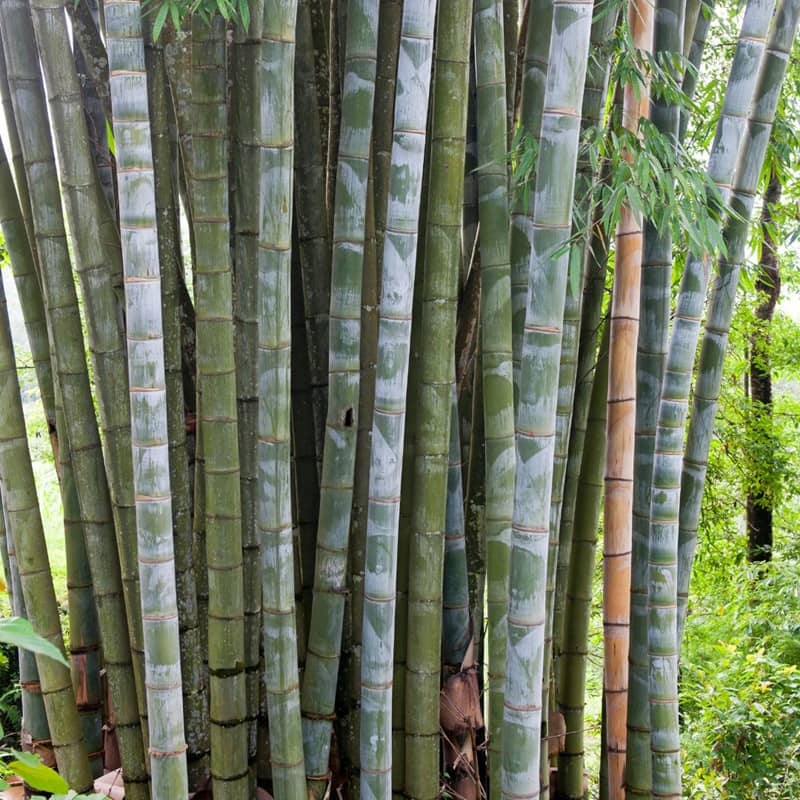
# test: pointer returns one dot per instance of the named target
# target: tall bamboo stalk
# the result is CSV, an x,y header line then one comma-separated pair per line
x,y
580,328
195,697
274,418
208,189
621,425
497,375
35,733
344,379
456,618
400,244
25,528
532,90
655,299
538,384
84,631
148,398
69,359
573,661
709,368
245,120
20,181
98,263
439,290
313,234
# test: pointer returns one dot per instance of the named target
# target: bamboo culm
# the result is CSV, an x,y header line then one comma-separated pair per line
x,y
148,402
394,334
536,408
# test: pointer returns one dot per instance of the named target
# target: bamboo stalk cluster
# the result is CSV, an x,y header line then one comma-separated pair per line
x,y
336,394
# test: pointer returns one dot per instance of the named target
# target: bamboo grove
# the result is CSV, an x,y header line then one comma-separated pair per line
x,y
348,317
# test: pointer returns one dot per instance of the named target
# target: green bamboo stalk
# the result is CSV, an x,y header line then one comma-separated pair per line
x,y
400,244
456,624
246,51
694,54
720,307
511,13
84,630
149,436
69,359
341,432
351,666
469,212
274,418
674,493
20,180
25,528
26,280
84,633
35,733
208,189
94,91
314,246
98,263
595,94
195,700
311,254
532,91
429,473
305,478
497,369
385,79
655,300
573,661
587,256
538,384
85,24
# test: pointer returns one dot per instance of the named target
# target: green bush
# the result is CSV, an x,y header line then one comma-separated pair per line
x,y
741,687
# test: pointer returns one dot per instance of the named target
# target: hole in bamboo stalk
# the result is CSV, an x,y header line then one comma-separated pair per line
x,y
348,418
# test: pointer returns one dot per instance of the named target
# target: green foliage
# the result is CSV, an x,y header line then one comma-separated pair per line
x,y
647,173
237,11
19,632
741,684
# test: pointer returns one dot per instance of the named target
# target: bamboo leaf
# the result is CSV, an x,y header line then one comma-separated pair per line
x,y
20,633
36,774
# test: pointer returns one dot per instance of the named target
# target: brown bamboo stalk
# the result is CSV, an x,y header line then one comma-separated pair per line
x,y
620,437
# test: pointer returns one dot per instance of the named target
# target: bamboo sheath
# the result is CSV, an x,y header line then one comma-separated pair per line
x,y
622,368
400,241
69,360
536,410
344,384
